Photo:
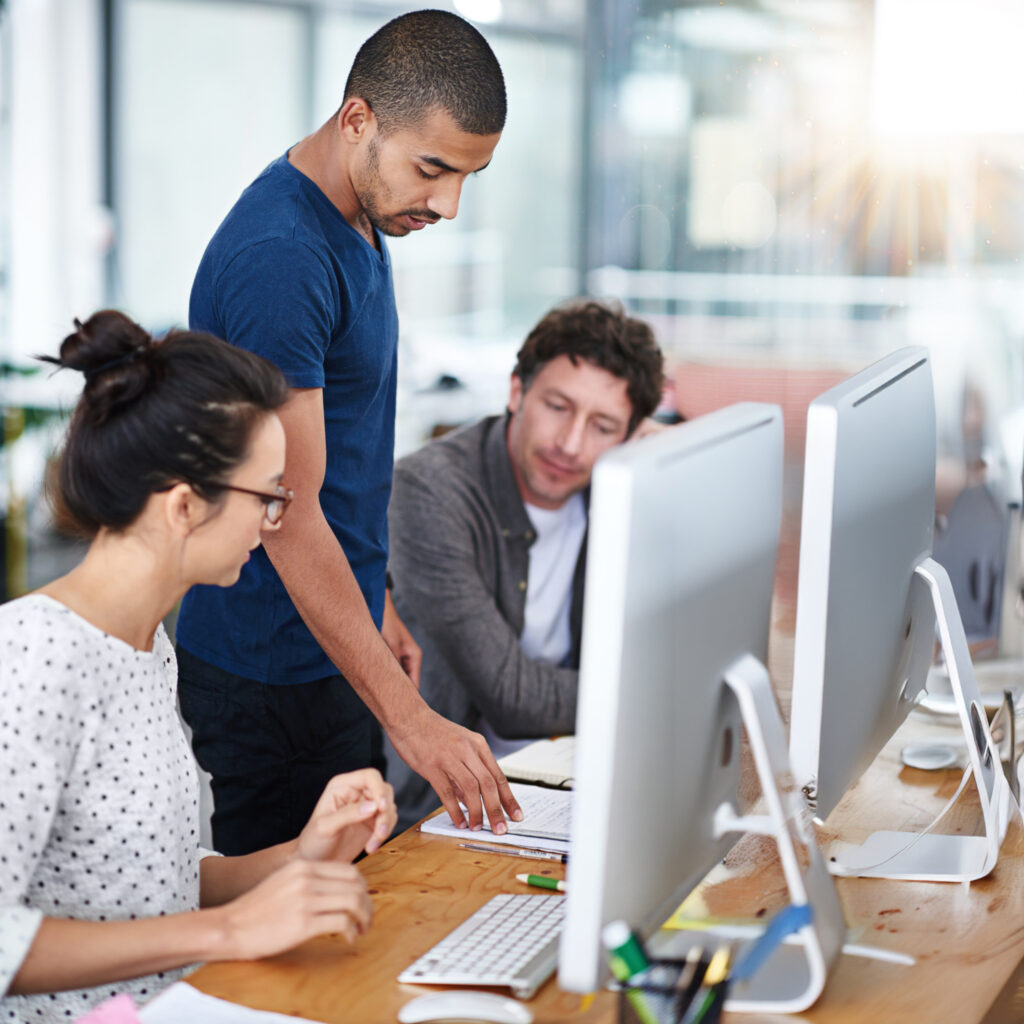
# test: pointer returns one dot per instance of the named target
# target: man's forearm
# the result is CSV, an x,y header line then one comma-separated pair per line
x,y
319,580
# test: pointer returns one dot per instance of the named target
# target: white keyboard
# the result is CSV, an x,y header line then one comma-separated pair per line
x,y
511,940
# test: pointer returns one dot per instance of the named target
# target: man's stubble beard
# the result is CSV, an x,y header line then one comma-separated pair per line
x,y
369,196
370,199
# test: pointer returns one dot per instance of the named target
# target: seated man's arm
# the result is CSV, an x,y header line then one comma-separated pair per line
x,y
437,576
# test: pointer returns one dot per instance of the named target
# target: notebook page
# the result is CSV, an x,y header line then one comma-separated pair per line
x,y
536,804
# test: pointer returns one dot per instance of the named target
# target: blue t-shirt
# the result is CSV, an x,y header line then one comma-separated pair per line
x,y
288,277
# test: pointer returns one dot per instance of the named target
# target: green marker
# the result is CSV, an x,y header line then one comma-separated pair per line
x,y
620,941
542,882
627,960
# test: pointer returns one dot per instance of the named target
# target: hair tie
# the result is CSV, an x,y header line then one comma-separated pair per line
x,y
111,363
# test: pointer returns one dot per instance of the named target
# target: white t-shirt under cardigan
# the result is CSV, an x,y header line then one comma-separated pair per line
x,y
547,634
99,816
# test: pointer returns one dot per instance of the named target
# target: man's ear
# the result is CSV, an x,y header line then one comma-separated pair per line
x,y
184,510
355,119
515,393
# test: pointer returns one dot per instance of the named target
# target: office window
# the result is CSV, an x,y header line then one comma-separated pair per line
x,y
206,95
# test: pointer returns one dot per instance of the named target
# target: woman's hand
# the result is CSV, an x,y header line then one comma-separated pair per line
x,y
356,812
297,902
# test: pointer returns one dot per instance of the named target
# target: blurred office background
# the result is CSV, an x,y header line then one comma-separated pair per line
x,y
787,189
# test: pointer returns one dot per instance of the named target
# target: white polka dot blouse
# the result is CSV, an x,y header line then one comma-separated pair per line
x,y
99,814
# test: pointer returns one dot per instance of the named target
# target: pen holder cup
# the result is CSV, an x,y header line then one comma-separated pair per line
x,y
653,997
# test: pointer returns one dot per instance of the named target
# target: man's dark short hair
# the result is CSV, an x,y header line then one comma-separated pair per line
x,y
606,337
427,60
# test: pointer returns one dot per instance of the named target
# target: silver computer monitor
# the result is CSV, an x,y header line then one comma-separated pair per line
x,y
680,568
864,634
869,600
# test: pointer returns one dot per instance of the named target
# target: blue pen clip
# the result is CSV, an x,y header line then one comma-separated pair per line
x,y
788,920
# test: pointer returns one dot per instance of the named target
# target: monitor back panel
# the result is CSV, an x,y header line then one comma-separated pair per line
x,y
680,568
865,628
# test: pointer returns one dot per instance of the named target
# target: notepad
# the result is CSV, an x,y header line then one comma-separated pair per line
x,y
547,816
547,762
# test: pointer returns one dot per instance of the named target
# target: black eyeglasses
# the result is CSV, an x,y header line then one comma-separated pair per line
x,y
274,505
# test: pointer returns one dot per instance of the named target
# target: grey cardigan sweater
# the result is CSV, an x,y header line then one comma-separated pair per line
x,y
460,542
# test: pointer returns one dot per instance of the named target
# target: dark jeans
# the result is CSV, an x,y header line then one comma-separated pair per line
x,y
271,749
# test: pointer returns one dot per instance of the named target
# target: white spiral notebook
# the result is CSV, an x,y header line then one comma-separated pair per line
x,y
547,815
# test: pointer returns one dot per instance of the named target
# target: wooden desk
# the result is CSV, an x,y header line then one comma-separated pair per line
x,y
422,886
967,940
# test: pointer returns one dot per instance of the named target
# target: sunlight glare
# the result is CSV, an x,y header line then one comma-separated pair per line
x,y
948,67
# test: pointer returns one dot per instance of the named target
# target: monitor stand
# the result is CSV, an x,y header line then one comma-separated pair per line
x,y
794,975
925,856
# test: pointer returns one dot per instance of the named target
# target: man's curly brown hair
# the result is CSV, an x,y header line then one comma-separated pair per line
x,y
603,335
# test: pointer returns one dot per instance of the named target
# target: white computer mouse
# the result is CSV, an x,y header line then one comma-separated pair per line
x,y
464,1005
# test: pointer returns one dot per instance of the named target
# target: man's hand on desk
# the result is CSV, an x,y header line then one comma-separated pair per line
x,y
356,812
400,641
459,765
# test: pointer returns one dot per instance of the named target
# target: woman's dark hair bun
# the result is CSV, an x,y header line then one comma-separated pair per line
x,y
119,359
154,413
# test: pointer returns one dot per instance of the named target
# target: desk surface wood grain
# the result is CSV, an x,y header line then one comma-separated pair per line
x,y
422,886
968,940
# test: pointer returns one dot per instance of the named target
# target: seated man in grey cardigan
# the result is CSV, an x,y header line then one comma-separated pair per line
x,y
488,528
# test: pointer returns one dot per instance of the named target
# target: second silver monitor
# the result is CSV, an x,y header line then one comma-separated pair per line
x,y
864,633
871,599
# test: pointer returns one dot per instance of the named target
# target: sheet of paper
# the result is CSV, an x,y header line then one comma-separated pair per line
x,y
548,761
182,1002
550,809
547,813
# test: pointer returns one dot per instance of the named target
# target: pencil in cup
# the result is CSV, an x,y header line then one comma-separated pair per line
x,y
665,990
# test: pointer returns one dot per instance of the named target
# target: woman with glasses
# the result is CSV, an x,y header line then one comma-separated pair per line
x,y
172,466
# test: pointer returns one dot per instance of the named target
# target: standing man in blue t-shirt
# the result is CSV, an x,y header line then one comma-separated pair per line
x,y
299,273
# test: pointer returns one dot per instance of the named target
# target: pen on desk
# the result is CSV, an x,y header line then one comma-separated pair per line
x,y
542,882
517,851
